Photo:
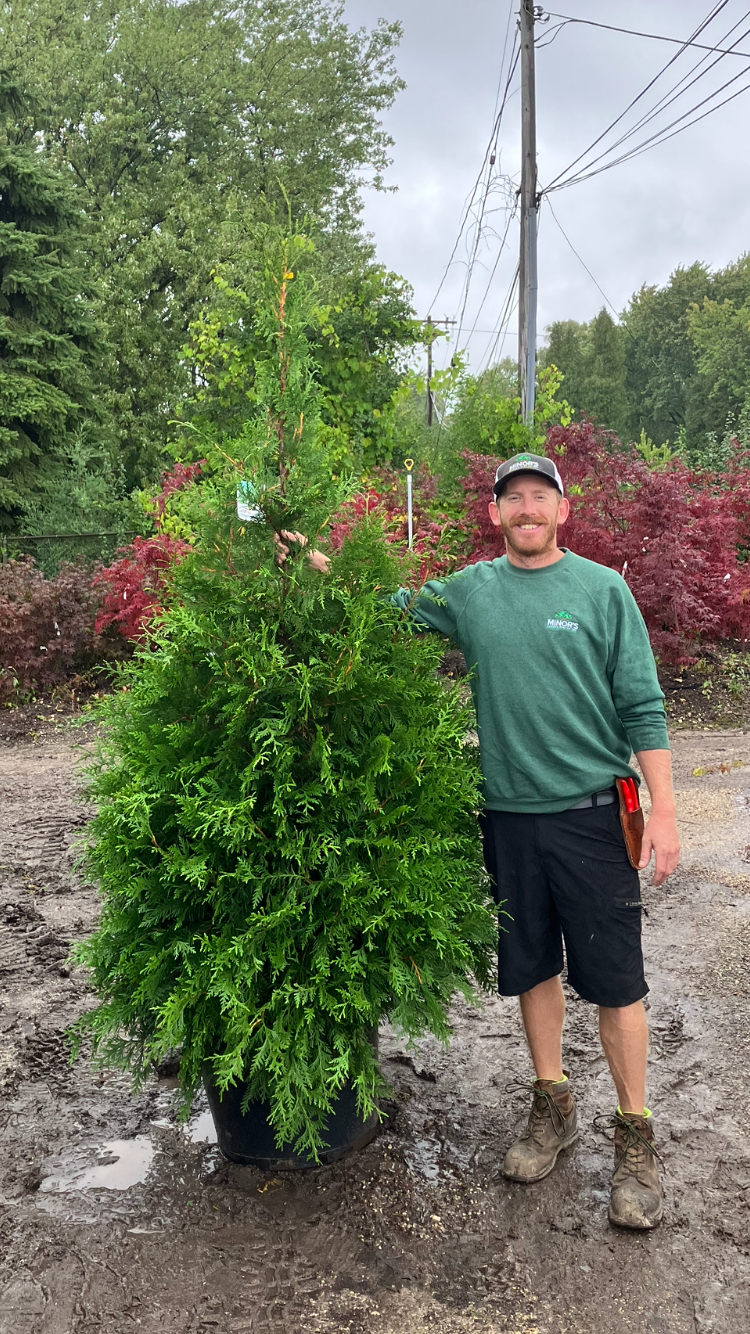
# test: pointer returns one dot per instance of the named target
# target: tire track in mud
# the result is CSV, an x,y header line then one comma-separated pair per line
x,y
419,1231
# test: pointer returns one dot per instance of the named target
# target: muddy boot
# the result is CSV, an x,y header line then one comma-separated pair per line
x,y
552,1126
636,1200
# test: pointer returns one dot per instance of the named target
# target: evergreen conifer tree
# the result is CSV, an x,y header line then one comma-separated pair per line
x,y
286,838
47,331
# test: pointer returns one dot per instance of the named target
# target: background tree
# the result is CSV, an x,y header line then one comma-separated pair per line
x,y
675,369
565,349
719,330
170,115
591,358
665,393
49,339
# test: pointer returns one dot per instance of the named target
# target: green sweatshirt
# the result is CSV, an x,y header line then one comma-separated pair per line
x,y
562,672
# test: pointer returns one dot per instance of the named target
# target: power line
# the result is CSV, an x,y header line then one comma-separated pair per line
x,y
714,14
661,105
634,32
673,94
508,309
511,10
472,193
499,343
580,260
511,215
660,137
483,207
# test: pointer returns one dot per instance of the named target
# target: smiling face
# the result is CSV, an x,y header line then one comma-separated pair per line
x,y
529,509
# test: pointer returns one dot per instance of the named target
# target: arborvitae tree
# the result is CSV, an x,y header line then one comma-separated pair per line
x,y
286,838
363,327
47,331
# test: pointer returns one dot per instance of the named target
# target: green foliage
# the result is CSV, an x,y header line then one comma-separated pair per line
x,y
677,367
591,358
663,388
476,415
715,450
285,835
84,494
486,418
366,335
654,456
47,330
431,446
170,116
361,328
720,332
688,351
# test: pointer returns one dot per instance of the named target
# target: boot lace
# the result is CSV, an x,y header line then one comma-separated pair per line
x,y
543,1108
634,1145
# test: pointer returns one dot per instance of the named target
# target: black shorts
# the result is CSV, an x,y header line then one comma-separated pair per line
x,y
566,877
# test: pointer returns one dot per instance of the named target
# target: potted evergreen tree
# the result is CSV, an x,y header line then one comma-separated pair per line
x,y
285,837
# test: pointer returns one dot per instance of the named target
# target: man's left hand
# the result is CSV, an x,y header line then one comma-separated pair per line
x,y
661,837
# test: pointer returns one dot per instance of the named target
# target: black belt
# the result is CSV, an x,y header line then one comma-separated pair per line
x,y
605,798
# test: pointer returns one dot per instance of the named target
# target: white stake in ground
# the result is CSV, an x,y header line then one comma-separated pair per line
x,y
409,464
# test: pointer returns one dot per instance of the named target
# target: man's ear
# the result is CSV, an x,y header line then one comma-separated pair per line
x,y
564,510
495,514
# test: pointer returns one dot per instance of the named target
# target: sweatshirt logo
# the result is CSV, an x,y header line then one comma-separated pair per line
x,y
562,620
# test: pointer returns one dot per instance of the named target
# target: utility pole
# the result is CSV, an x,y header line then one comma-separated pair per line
x,y
528,282
431,324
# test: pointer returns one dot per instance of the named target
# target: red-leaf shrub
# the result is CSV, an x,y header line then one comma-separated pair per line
x,y
134,585
181,475
672,533
47,630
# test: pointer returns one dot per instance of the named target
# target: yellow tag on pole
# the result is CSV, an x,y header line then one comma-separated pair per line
x,y
409,464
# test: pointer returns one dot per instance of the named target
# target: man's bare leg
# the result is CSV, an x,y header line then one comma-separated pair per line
x,y
553,1121
624,1035
543,1012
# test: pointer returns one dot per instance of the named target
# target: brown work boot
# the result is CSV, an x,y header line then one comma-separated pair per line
x,y
552,1126
636,1200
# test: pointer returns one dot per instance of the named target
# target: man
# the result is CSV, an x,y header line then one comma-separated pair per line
x,y
565,688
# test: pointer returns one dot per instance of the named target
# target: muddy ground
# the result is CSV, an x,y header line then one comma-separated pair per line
x,y
113,1218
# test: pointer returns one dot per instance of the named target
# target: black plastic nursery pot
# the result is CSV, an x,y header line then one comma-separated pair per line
x,y
248,1137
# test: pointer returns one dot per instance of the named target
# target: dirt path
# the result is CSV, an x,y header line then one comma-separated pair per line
x,y
111,1218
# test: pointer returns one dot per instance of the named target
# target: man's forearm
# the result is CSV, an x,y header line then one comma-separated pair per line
x,y
656,767
660,835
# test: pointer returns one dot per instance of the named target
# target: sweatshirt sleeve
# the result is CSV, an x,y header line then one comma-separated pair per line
x,y
637,695
434,607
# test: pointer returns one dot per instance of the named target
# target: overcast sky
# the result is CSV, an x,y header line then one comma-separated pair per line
x,y
686,200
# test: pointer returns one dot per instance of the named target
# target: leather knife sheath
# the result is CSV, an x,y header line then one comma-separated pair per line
x,y
632,826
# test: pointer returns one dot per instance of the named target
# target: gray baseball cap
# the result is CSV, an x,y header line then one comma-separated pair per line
x,y
527,463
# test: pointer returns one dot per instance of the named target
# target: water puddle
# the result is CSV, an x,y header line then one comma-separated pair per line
x,y
117,1165
423,1158
200,1129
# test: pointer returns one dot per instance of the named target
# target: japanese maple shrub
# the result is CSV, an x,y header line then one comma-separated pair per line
x,y
286,838
133,585
47,627
674,533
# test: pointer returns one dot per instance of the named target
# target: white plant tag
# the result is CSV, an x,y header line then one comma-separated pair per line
x,y
246,511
